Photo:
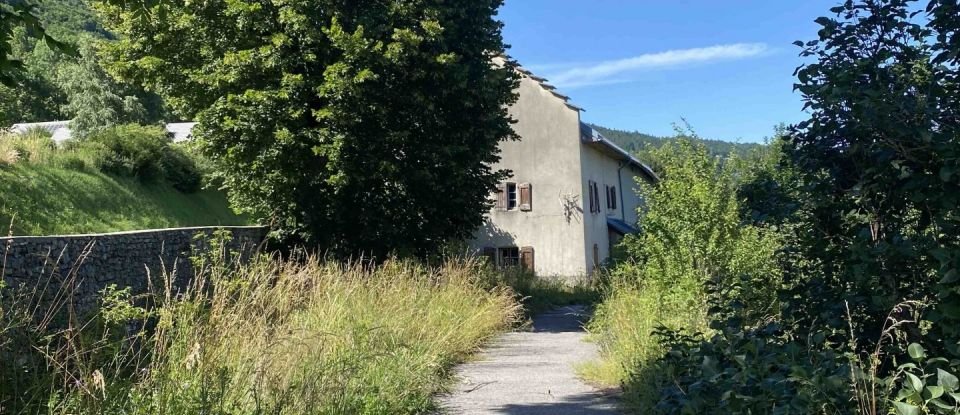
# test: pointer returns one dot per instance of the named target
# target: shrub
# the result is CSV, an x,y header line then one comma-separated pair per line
x,y
181,170
692,235
145,152
133,150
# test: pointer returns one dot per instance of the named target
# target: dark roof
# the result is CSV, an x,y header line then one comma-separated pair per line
x,y
593,137
621,227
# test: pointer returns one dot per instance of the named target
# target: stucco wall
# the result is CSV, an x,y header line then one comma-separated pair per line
x,y
85,264
547,157
602,169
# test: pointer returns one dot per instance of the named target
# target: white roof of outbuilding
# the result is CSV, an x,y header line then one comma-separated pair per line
x,y
181,131
60,130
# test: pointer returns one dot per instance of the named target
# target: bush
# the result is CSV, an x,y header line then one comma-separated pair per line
x,y
133,150
181,170
145,152
692,235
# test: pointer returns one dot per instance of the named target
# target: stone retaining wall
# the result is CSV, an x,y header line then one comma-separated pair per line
x,y
85,264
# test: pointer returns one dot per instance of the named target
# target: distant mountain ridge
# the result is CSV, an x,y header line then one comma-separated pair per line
x,y
635,142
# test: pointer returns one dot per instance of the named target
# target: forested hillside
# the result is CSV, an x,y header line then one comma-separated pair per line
x,y
635,141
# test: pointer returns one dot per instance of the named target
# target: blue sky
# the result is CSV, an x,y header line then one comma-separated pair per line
x,y
726,66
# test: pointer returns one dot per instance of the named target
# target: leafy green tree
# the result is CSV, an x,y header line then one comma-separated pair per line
x,y
21,14
880,160
870,202
95,101
360,127
692,231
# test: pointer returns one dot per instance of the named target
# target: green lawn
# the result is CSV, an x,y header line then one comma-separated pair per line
x,y
49,200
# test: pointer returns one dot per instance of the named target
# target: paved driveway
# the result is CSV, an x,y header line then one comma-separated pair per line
x,y
532,373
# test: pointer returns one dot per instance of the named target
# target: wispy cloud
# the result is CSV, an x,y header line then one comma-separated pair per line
x,y
618,71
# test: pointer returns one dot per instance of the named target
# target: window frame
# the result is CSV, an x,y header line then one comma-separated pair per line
x,y
507,261
513,196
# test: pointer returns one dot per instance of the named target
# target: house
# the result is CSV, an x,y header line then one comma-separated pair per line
x,y
572,195
60,130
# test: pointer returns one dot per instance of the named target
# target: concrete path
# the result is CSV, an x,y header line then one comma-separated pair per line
x,y
532,373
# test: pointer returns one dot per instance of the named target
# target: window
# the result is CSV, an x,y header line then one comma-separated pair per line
x,y
512,196
590,195
612,197
508,256
594,191
616,196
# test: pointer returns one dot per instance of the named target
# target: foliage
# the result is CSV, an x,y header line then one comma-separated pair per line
x,y
866,201
692,235
294,337
20,14
541,294
52,85
147,154
34,99
94,100
359,128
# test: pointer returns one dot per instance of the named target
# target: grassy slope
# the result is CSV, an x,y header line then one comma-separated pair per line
x,y
49,200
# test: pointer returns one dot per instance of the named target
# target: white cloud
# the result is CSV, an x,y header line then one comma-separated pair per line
x,y
614,71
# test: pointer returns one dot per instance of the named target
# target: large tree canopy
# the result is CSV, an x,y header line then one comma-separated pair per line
x,y
881,158
362,127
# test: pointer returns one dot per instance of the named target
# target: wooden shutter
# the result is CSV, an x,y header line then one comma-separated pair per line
x,y
502,196
526,197
491,254
613,196
526,259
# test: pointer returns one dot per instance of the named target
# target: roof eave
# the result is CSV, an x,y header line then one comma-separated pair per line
x,y
592,136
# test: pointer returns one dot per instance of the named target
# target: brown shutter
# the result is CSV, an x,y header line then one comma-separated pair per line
x,y
502,196
526,259
526,197
491,255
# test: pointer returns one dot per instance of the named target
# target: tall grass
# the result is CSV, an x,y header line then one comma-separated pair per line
x,y
35,147
541,294
624,323
276,336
